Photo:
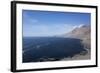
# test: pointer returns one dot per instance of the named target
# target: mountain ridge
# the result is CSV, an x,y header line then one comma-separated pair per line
x,y
82,32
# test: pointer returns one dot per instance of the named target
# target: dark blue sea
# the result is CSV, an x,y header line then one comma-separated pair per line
x,y
41,49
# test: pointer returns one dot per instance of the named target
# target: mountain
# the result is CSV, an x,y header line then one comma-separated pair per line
x,y
82,32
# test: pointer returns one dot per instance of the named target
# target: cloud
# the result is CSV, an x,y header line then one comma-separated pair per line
x,y
78,26
33,20
47,30
29,20
81,25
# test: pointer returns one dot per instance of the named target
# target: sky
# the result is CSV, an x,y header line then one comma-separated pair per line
x,y
51,23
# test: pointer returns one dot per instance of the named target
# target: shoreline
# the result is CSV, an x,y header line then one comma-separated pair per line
x,y
79,56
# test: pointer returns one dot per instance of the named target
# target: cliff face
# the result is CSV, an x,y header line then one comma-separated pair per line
x,y
83,33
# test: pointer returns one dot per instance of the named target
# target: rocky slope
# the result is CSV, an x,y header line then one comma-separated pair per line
x,y
83,32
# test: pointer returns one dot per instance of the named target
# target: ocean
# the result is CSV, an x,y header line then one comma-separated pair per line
x,y
42,49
